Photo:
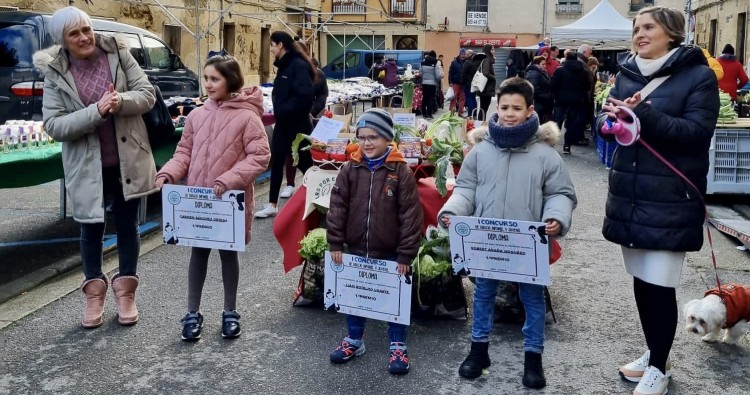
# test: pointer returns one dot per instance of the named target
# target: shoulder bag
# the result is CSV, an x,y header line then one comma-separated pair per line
x,y
479,81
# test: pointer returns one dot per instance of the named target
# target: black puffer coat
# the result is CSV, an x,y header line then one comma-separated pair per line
x,y
648,205
570,84
544,100
292,98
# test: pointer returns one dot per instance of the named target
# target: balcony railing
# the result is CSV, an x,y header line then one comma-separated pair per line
x,y
403,9
348,6
569,8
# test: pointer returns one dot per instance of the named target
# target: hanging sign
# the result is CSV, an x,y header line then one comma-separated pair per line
x,y
480,42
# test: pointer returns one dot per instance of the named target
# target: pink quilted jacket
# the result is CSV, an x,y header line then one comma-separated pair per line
x,y
223,143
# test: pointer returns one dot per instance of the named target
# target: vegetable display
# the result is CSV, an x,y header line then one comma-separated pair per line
x,y
407,91
314,245
447,147
726,111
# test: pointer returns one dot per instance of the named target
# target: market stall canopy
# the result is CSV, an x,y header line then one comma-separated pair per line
x,y
602,28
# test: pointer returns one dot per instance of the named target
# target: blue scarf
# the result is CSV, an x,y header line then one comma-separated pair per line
x,y
376,162
513,136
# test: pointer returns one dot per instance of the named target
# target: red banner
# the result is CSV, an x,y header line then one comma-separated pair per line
x,y
495,42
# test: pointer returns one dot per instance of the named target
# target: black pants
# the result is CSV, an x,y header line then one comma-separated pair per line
x,y
574,118
126,222
280,148
428,100
484,104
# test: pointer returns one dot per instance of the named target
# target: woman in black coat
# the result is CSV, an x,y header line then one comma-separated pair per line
x,y
292,101
544,100
652,212
486,66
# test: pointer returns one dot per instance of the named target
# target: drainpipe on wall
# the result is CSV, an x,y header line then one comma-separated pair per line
x,y
544,19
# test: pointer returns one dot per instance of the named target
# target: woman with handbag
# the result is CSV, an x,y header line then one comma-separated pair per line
x,y
653,213
486,61
106,154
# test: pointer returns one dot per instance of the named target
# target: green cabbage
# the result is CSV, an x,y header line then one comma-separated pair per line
x,y
314,245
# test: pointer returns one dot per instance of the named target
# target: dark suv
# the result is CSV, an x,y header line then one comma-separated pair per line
x,y
23,33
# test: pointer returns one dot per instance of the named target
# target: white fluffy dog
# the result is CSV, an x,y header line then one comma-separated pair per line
x,y
728,308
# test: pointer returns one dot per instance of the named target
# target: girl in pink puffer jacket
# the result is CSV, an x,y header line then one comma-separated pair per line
x,y
224,146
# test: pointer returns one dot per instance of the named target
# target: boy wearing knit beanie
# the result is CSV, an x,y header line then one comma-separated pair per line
x,y
375,213
522,177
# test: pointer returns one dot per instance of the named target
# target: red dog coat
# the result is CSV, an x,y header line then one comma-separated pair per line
x,y
737,299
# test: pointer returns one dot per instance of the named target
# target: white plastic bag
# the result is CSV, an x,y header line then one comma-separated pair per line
x,y
449,94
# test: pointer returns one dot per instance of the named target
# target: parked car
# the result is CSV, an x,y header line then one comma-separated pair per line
x,y
23,33
357,62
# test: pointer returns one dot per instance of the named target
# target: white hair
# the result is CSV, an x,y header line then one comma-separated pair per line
x,y
584,47
66,18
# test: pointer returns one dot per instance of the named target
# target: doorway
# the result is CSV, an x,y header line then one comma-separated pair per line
x,y
264,71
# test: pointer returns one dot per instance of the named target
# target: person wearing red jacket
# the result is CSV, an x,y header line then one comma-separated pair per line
x,y
734,75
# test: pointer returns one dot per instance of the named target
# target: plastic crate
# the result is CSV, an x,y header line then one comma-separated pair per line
x,y
605,150
729,162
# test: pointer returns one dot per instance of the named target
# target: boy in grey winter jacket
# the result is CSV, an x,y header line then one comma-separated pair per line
x,y
527,180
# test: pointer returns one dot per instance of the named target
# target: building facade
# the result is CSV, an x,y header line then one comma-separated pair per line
x,y
451,25
370,24
716,23
193,28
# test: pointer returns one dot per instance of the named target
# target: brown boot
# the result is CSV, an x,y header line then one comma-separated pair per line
x,y
95,291
124,289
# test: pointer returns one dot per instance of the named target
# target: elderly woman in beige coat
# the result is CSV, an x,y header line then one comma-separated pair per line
x,y
94,95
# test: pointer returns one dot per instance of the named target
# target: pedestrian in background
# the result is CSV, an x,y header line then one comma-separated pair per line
x,y
292,98
454,79
105,150
223,146
488,69
544,100
388,227
570,86
513,173
468,70
552,62
440,96
651,211
430,77
734,75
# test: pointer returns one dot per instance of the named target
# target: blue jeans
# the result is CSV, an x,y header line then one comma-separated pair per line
x,y
356,324
128,233
471,99
532,297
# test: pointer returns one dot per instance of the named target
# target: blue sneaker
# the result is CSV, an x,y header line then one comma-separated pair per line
x,y
348,349
399,359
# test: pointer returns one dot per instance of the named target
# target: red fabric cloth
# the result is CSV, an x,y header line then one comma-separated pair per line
x,y
289,228
431,200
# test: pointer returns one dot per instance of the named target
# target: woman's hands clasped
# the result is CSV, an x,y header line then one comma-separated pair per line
x,y
109,103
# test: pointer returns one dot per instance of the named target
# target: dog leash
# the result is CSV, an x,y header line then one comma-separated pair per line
x,y
705,208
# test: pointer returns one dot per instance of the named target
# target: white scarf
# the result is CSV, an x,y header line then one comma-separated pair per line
x,y
649,67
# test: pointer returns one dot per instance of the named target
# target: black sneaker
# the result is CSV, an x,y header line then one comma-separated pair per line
x,y
192,325
566,149
230,324
478,360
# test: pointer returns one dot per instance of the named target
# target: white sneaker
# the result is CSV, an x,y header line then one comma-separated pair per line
x,y
287,192
653,382
267,211
633,371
